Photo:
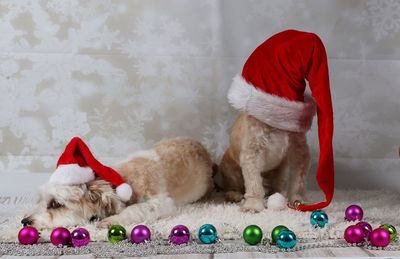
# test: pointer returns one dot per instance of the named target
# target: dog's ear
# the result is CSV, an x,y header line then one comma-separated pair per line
x,y
102,194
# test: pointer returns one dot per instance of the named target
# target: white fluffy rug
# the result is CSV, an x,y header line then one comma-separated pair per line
x,y
379,207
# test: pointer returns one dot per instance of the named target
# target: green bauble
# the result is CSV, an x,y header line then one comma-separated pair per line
x,y
252,235
392,231
275,233
116,233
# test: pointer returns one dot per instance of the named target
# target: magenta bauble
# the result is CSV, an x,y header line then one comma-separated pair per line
x,y
367,228
140,234
80,237
28,236
180,234
60,237
354,234
380,237
353,213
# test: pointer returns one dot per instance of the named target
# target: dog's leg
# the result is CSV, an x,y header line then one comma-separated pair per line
x,y
253,162
232,178
298,162
155,208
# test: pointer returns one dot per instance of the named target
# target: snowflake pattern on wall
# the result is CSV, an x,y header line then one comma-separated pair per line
x,y
383,16
125,74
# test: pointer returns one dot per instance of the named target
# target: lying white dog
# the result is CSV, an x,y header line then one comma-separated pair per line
x,y
175,172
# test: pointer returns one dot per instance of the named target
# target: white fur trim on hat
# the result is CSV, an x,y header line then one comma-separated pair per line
x,y
72,174
124,192
273,110
277,202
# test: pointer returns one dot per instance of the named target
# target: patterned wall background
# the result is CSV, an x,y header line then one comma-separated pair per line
x,y
125,74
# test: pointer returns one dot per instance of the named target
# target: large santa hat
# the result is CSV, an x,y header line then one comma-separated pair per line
x,y
77,165
271,89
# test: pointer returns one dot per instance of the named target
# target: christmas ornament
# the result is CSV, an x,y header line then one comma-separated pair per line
x,y
28,236
392,231
60,237
77,165
179,235
366,228
270,89
354,234
380,237
353,213
286,239
80,237
275,232
319,218
296,204
140,234
252,234
116,233
208,234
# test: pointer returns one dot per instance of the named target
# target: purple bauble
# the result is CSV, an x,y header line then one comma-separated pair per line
x,y
60,237
179,235
353,213
140,234
367,228
380,237
80,237
28,236
354,234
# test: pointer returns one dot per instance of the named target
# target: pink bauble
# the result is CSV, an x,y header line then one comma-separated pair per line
x,y
367,228
353,213
140,234
80,237
354,234
60,237
28,236
380,237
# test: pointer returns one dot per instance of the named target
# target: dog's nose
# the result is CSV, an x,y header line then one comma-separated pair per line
x,y
26,221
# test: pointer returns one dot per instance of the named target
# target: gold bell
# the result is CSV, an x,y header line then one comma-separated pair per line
x,y
296,204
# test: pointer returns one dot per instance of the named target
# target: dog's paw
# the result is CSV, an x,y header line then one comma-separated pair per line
x,y
252,205
105,223
233,196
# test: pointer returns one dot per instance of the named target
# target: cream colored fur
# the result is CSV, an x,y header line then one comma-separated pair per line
x,y
174,173
262,160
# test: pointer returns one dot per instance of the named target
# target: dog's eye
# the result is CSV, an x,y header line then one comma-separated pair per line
x,y
54,204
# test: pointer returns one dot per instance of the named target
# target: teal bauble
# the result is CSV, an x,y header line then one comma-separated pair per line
x,y
275,233
319,218
116,233
252,235
208,234
286,239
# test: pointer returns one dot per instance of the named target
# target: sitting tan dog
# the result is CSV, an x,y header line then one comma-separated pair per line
x,y
268,150
262,160
175,172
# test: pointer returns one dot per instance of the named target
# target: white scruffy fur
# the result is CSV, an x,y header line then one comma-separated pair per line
x,y
174,173
262,160
275,111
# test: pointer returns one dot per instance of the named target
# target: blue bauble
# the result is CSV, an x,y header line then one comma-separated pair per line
x,y
208,234
286,239
319,218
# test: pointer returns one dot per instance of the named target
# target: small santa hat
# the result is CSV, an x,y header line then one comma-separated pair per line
x,y
77,165
271,89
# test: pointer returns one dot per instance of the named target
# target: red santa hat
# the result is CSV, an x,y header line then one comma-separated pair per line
x,y
77,165
271,88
